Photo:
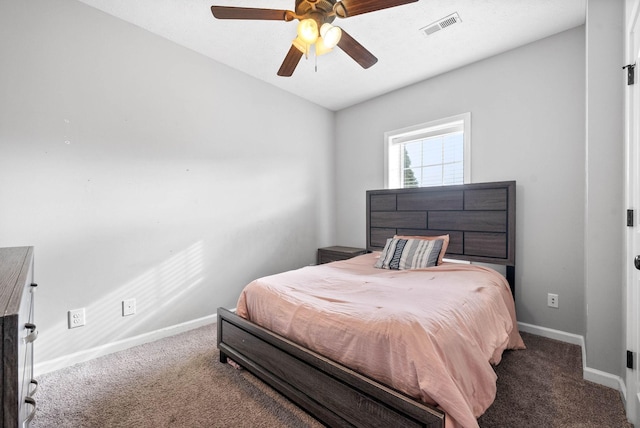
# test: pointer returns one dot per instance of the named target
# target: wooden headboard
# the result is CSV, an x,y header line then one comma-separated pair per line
x,y
480,219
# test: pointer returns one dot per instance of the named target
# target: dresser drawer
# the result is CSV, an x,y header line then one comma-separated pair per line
x,y
18,334
28,335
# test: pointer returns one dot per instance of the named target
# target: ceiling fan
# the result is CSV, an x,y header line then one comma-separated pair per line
x,y
315,27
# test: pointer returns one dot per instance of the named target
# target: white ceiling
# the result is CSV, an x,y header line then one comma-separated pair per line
x,y
405,55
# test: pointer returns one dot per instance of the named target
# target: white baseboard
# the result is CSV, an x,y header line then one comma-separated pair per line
x,y
120,345
592,375
562,336
606,379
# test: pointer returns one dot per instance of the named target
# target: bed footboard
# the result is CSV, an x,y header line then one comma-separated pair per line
x,y
334,394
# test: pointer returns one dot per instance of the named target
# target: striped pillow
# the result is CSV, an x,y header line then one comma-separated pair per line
x,y
409,254
445,243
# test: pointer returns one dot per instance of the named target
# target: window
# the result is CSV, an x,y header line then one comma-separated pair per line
x,y
430,154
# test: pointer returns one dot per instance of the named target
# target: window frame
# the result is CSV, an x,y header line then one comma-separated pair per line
x,y
432,128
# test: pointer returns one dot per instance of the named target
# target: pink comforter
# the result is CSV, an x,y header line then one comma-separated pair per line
x,y
430,333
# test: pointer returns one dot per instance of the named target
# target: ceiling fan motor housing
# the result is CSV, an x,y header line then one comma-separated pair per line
x,y
319,10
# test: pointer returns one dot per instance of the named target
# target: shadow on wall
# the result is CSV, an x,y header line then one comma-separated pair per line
x,y
155,291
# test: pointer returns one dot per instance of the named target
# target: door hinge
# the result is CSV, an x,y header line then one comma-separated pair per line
x,y
630,360
630,73
630,218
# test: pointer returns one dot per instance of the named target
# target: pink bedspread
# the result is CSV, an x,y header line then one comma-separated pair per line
x,y
430,333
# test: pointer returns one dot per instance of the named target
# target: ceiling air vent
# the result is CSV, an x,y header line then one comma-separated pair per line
x,y
440,24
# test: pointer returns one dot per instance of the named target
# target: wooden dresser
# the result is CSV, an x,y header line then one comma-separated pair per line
x,y
18,333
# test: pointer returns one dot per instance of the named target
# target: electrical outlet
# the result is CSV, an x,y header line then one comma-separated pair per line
x,y
128,307
76,318
552,300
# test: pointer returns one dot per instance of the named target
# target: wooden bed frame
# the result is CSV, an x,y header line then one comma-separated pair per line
x,y
480,221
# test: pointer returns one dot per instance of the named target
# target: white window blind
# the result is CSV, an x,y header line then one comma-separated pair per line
x,y
436,153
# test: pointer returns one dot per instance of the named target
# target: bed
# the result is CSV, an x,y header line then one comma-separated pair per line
x,y
343,387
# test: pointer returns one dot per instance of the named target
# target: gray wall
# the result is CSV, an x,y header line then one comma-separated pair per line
x,y
140,169
527,124
605,219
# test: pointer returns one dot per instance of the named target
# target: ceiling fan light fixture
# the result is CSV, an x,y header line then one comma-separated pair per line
x,y
321,47
308,30
330,35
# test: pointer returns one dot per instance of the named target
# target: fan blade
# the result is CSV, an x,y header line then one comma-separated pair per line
x,y
228,12
347,8
290,62
356,51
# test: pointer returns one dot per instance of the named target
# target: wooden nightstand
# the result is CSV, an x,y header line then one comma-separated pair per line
x,y
331,254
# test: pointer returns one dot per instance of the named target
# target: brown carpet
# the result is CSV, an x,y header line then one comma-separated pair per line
x,y
542,386
178,382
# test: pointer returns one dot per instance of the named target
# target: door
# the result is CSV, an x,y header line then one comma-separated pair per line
x,y
632,124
